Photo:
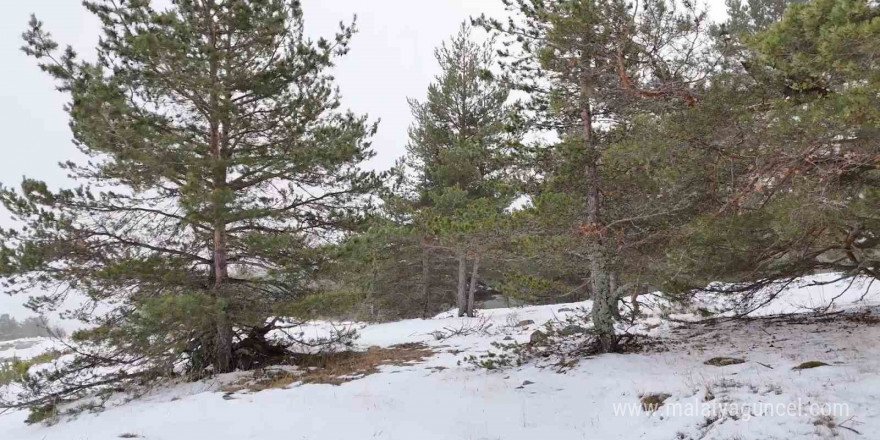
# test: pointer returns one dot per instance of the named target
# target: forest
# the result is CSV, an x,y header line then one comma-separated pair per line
x,y
596,151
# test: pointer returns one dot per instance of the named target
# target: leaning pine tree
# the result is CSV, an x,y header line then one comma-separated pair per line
x,y
794,120
218,158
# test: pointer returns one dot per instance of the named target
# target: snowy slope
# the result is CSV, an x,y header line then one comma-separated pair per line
x,y
597,399
27,348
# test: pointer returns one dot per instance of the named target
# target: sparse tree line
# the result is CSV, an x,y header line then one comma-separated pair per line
x,y
32,327
587,149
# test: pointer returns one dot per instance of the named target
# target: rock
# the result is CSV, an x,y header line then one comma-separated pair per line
x,y
524,384
537,337
508,338
564,309
571,330
525,323
723,361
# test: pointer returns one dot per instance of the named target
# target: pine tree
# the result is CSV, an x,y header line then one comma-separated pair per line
x,y
794,126
218,158
457,156
592,69
444,201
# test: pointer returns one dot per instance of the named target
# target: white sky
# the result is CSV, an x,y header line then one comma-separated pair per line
x,y
391,59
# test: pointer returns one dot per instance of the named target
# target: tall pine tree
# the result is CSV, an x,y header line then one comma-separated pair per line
x,y
457,159
218,158
592,69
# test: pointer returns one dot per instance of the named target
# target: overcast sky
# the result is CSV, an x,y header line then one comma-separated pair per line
x,y
391,59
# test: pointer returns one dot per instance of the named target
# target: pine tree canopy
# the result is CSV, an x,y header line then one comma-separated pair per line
x,y
218,159
793,124
587,149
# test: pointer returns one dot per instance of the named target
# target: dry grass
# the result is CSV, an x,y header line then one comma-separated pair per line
x,y
336,368
653,402
723,361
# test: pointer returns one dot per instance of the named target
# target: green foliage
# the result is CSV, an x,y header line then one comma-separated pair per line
x,y
809,365
608,193
16,370
448,194
41,414
219,157
558,345
330,304
669,158
793,157
506,356
460,145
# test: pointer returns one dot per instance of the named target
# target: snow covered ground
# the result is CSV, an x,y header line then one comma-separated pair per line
x,y
447,398
26,348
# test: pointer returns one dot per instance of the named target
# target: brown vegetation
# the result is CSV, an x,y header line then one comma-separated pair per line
x,y
335,368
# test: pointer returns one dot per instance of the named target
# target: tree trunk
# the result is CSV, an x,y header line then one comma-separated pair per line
x,y
223,344
426,277
371,289
603,303
462,281
473,287
613,286
600,277
219,139
635,301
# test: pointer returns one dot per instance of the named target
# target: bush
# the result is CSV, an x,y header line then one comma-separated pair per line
x,y
16,370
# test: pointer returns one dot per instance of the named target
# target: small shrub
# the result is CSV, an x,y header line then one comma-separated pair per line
x,y
810,364
826,421
42,413
45,358
653,402
509,355
723,361
704,312
16,370
558,344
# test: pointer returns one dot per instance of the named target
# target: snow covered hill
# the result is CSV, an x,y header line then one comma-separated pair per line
x,y
752,390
